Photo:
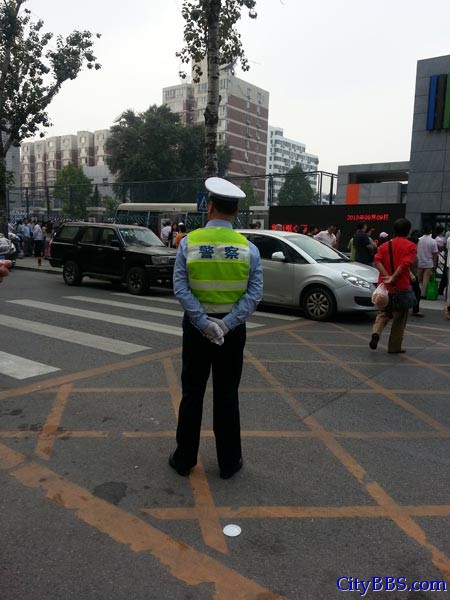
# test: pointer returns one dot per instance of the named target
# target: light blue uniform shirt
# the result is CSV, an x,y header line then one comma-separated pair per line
x,y
243,308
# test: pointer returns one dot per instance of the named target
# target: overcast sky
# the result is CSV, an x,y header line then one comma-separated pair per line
x,y
340,74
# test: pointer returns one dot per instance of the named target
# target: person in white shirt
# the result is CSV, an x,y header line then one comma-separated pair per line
x,y
165,232
440,238
38,237
427,257
447,308
328,236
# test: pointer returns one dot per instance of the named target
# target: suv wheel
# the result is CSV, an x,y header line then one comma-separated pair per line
x,y
319,304
137,281
72,273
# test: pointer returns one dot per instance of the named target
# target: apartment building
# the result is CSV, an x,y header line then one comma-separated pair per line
x,y
283,154
41,161
180,99
243,120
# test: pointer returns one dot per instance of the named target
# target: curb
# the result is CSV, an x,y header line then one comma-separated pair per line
x,y
43,269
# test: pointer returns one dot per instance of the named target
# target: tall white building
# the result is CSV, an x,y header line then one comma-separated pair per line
x,y
283,154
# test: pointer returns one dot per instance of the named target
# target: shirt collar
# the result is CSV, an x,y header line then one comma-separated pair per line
x,y
219,223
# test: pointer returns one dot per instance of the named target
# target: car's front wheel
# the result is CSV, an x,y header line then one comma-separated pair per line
x,y
72,273
319,304
137,281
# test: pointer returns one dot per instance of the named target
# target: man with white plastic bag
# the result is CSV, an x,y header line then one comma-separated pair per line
x,y
380,296
394,260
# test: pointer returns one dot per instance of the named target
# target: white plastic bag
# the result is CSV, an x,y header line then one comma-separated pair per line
x,y
380,296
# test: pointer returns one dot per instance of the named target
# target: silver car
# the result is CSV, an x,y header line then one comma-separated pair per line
x,y
302,272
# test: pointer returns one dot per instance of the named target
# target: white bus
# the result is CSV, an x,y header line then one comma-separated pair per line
x,y
150,214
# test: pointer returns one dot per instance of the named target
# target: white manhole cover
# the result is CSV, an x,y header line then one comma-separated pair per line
x,y
232,530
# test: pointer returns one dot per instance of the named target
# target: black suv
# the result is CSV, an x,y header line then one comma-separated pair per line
x,y
123,253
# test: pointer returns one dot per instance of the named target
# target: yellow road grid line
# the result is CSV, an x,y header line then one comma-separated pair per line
x,y
430,340
46,437
208,518
186,564
406,356
404,522
125,364
300,512
367,381
86,374
307,434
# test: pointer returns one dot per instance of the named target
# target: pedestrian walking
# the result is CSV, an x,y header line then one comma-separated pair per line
x,y
427,257
218,282
364,247
180,235
447,308
328,236
394,261
165,231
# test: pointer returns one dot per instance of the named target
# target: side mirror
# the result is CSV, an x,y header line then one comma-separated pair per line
x,y
115,244
278,257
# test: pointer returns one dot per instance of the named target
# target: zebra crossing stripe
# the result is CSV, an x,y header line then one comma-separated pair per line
x,y
258,313
139,307
97,342
100,316
22,368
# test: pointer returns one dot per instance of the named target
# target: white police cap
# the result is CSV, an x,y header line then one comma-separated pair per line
x,y
223,189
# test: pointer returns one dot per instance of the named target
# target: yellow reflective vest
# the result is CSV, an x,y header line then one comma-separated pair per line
x,y
218,263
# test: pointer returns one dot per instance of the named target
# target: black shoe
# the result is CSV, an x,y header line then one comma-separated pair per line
x,y
227,473
183,472
374,341
396,351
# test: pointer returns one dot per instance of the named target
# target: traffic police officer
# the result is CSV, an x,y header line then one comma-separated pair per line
x,y
218,282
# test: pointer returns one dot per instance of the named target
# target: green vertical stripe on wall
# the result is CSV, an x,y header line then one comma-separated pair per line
x,y
446,121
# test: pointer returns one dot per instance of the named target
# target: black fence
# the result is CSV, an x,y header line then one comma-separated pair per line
x,y
49,202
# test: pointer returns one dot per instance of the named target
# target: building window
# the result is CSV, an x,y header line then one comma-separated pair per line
x,y
249,93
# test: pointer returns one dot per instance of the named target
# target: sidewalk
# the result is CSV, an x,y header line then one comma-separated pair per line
x,y
30,263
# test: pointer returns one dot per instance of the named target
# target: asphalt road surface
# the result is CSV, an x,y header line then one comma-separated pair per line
x,y
346,456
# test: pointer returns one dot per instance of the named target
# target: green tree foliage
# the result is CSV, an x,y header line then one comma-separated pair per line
x,y
74,190
154,147
296,189
210,31
251,198
31,74
110,204
223,159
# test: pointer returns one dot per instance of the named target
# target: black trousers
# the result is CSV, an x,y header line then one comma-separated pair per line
x,y
199,356
418,293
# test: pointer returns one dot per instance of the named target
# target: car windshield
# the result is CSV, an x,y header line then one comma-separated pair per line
x,y
316,250
139,236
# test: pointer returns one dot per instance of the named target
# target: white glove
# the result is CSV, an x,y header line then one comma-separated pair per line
x,y
214,333
221,324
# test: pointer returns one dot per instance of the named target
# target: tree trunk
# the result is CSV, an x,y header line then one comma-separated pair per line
x,y
3,207
212,108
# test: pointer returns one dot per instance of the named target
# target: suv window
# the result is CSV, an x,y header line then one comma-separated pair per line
x,y
107,235
67,233
90,235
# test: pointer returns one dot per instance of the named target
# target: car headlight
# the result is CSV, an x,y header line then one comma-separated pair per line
x,y
357,281
160,260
